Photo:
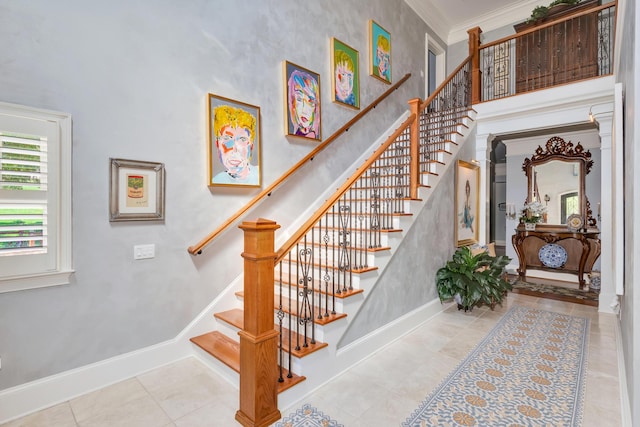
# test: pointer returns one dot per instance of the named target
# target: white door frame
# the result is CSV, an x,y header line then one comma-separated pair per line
x,y
441,63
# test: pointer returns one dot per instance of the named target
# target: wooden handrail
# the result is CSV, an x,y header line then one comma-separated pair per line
x,y
550,23
197,248
295,238
443,85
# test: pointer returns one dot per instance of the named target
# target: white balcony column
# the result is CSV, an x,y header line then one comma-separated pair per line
x,y
608,289
483,159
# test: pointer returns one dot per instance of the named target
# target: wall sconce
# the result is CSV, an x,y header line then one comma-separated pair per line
x,y
546,199
510,211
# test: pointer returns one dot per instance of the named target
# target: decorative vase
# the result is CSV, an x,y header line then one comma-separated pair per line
x,y
530,226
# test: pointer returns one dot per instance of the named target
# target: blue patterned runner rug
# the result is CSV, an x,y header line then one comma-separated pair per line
x,y
529,371
308,416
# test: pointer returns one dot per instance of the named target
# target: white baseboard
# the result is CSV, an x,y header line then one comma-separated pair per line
x,y
16,402
625,403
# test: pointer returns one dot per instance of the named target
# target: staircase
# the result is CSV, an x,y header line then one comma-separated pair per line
x,y
323,277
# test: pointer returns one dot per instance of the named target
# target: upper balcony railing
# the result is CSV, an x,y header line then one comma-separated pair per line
x,y
569,46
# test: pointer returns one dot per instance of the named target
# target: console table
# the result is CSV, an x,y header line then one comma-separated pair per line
x,y
583,248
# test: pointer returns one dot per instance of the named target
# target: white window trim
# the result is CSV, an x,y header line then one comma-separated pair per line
x,y
62,273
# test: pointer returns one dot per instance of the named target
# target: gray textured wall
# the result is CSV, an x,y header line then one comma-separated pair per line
x,y
408,282
135,74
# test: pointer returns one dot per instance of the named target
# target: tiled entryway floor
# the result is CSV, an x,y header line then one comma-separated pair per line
x,y
378,392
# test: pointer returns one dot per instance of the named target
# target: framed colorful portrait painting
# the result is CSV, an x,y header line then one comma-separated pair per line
x,y
467,203
345,72
302,102
234,142
379,52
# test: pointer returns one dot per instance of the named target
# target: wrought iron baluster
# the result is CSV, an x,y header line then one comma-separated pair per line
x,y
305,288
335,277
327,277
375,207
280,325
344,262
291,285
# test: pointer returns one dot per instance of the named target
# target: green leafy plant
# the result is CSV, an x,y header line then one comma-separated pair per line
x,y
539,12
471,279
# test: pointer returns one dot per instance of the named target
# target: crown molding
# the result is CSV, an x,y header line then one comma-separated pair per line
x,y
516,12
454,33
432,16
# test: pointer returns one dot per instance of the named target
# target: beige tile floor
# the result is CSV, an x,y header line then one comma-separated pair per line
x,y
378,392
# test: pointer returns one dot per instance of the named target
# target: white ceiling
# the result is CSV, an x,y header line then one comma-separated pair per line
x,y
451,19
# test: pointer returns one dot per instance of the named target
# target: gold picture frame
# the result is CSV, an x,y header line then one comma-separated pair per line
x,y
136,190
379,52
345,74
302,103
234,143
467,203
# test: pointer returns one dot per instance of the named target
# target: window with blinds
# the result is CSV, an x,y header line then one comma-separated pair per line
x,y
35,198
23,179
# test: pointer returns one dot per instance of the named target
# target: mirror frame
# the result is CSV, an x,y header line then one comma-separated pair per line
x,y
557,148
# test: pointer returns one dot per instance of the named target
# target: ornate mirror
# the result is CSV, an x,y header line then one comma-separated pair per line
x,y
556,178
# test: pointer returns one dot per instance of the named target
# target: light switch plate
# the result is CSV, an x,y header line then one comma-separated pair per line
x,y
144,251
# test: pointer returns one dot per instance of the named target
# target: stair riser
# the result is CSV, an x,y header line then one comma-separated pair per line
x,y
355,238
320,257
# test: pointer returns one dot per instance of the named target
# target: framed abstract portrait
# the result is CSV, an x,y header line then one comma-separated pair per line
x,y
234,142
345,74
136,190
379,52
302,102
467,203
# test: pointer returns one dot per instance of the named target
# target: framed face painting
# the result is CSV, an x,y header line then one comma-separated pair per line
x,y
467,203
302,102
379,52
234,143
345,72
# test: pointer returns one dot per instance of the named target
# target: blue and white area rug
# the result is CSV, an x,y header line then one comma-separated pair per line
x,y
529,371
307,416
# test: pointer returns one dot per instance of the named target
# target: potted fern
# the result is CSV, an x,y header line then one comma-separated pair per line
x,y
472,280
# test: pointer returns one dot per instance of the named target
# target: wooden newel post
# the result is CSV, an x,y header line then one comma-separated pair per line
x,y
474,53
258,339
414,166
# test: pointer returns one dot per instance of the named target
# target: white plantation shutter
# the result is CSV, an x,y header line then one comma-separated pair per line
x,y
23,206
34,198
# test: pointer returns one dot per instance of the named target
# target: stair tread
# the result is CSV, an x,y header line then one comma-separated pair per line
x,y
221,347
332,317
341,295
227,351
235,317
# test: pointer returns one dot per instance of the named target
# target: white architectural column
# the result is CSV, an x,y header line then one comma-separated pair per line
x,y
608,299
483,152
